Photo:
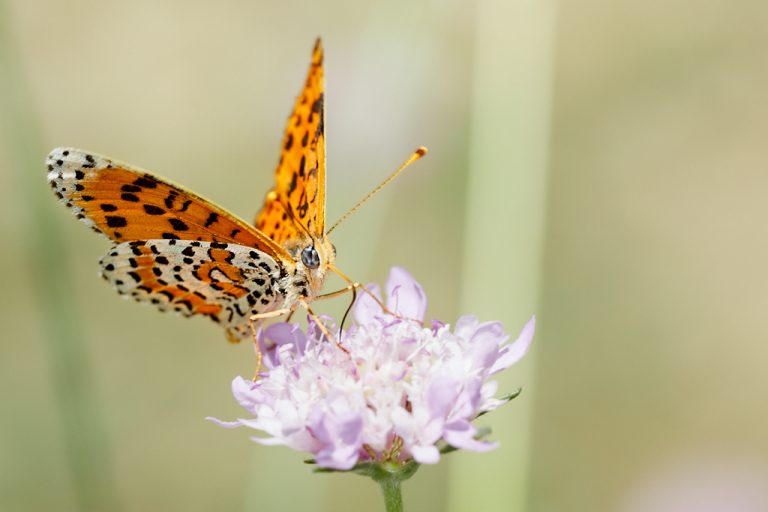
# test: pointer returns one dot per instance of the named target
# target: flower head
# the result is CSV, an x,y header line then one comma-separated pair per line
x,y
398,392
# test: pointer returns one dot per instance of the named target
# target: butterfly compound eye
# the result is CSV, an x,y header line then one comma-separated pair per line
x,y
310,258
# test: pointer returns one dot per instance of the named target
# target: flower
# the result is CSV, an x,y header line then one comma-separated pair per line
x,y
398,391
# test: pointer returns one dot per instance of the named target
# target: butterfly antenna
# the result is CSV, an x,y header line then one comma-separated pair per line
x,y
415,156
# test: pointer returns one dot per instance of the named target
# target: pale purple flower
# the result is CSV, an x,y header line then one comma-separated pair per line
x,y
401,392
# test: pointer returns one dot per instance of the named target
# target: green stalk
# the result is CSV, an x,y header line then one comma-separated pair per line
x,y
84,436
509,145
389,476
393,498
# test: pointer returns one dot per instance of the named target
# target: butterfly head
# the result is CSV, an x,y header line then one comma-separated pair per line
x,y
313,260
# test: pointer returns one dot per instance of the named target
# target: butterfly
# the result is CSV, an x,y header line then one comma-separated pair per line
x,y
181,252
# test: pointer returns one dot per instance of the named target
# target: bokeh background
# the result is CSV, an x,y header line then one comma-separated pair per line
x,y
599,163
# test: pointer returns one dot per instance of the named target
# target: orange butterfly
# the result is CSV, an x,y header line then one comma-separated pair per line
x,y
181,252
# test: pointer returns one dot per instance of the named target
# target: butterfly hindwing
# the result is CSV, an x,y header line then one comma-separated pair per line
x,y
226,282
125,204
299,192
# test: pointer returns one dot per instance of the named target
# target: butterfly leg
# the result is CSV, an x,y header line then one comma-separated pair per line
x,y
322,327
252,324
354,285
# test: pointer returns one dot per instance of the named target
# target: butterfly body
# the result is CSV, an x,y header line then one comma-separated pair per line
x,y
180,252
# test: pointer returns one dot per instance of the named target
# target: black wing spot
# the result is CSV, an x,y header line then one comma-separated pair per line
x,y
303,207
133,198
178,225
317,105
153,210
108,207
114,221
145,182
213,217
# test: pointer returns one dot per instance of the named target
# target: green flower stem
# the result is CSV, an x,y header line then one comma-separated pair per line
x,y
393,498
389,476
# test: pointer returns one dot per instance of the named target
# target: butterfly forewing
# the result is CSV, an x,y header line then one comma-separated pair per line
x,y
299,193
125,204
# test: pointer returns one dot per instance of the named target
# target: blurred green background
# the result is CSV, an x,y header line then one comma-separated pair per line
x,y
599,163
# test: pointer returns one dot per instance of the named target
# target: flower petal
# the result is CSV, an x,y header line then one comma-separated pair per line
x,y
441,395
461,434
243,392
511,354
225,424
405,296
365,308
278,335
428,454
466,326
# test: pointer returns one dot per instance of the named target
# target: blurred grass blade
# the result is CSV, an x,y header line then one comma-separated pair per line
x,y
509,145
81,423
